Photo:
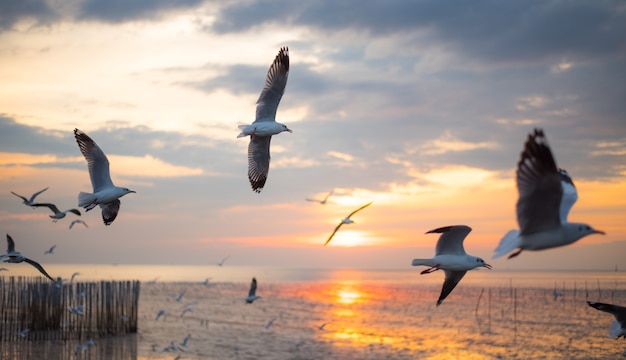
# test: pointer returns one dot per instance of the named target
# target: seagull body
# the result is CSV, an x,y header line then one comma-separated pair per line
x,y
323,201
265,125
618,327
104,193
51,250
450,256
15,257
546,195
78,221
346,220
185,340
56,213
31,200
252,292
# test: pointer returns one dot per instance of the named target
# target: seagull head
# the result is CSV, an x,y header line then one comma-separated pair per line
x,y
285,128
481,263
575,231
125,191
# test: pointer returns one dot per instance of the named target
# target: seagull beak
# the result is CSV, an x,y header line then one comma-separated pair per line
x,y
599,232
488,266
290,130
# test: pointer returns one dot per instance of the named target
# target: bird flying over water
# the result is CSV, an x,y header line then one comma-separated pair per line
x,y
347,220
31,201
15,257
56,213
78,221
265,125
546,195
252,292
104,193
450,256
324,200
618,327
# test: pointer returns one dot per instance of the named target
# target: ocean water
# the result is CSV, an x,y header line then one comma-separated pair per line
x,y
368,314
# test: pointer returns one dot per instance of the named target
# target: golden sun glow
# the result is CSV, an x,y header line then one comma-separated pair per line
x,y
349,238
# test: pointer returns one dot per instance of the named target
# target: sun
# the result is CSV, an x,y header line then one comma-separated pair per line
x,y
350,238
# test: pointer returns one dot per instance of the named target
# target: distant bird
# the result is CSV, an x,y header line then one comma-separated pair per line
x,y
321,327
347,220
186,310
78,221
252,292
556,294
73,276
206,282
450,256
31,201
269,324
15,257
185,340
171,347
24,332
180,297
56,213
104,193
546,195
160,313
79,310
221,263
323,201
618,327
85,346
51,250
265,125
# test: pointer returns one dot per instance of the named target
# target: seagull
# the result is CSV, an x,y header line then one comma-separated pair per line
x,y
85,346
186,310
252,293
171,347
184,342
160,313
450,257
73,276
323,202
221,263
13,256
57,214
79,310
618,327
347,220
546,195
23,332
270,323
51,250
104,193
265,125
31,201
321,327
78,221
180,297
206,282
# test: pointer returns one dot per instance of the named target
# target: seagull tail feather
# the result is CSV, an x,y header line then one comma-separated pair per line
x,y
508,243
425,262
615,329
86,200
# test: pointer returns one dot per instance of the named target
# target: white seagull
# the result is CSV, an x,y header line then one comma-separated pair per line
x,y
323,201
51,250
347,220
618,327
252,292
546,195
15,257
104,193
265,125
78,221
56,213
450,256
31,201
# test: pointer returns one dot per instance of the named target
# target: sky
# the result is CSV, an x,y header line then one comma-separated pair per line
x,y
422,107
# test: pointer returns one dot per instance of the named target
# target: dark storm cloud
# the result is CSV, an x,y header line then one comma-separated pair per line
x,y
496,30
116,11
12,11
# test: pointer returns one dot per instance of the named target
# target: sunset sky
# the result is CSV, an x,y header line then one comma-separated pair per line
x,y
419,106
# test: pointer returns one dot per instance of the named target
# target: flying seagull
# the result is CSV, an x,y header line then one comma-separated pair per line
x,y
618,327
51,250
160,313
185,340
13,256
347,220
265,125
450,257
31,201
73,276
78,221
323,201
252,293
104,193
221,263
546,195
56,213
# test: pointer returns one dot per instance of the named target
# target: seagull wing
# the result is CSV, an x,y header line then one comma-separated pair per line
x,y
539,186
258,161
359,209
618,311
32,198
570,195
75,211
38,267
329,194
97,162
333,234
451,239
20,196
52,207
452,278
109,211
274,88
10,245
252,291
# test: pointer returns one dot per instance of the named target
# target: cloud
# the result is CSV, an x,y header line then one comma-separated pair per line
x,y
38,11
